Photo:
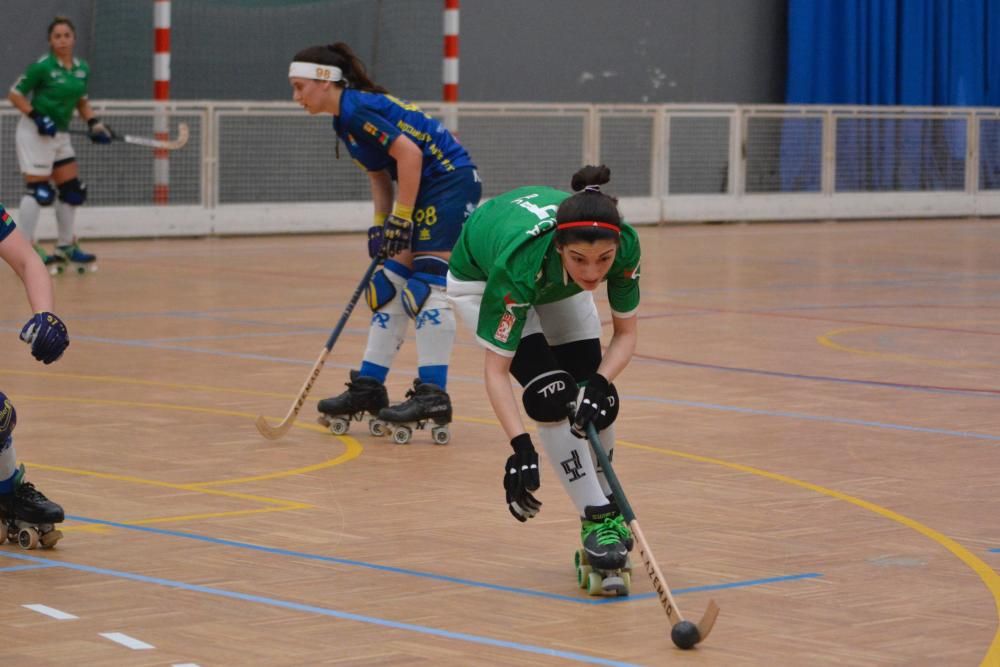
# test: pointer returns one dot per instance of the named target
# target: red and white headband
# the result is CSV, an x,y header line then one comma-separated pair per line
x,y
589,223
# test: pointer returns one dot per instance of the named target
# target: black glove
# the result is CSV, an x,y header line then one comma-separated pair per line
x,y
46,126
99,133
375,241
397,233
520,477
47,336
592,406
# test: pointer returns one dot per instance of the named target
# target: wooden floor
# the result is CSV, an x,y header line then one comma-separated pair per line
x,y
810,435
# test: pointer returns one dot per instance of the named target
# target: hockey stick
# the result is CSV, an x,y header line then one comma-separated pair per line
x,y
166,144
683,633
275,432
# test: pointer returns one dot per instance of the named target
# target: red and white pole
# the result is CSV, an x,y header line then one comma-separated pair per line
x,y
161,94
450,67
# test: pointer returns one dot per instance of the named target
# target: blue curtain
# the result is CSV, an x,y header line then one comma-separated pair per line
x,y
897,52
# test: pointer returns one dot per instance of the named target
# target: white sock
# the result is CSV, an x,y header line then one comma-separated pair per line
x,y
607,437
65,216
8,462
27,216
573,464
435,337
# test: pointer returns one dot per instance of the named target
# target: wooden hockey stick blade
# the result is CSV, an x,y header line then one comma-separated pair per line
x,y
167,144
275,432
707,621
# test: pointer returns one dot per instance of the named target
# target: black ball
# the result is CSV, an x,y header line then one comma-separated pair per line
x,y
685,634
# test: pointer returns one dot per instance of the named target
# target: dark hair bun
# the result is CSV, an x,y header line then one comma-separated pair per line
x,y
590,175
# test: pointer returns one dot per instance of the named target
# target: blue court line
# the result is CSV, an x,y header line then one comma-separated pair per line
x,y
324,611
807,417
22,568
428,575
995,551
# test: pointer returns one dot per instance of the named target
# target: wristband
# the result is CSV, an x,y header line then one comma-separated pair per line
x,y
403,211
521,442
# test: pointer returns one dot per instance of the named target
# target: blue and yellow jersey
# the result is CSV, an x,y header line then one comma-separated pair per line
x,y
369,122
6,223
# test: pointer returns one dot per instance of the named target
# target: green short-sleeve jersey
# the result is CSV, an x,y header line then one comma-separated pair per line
x,y
509,242
54,90
6,223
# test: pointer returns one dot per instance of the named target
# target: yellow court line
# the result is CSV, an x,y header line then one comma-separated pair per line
x,y
985,572
146,383
826,340
354,449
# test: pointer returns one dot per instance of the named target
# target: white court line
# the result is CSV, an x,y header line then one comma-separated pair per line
x,y
49,611
125,640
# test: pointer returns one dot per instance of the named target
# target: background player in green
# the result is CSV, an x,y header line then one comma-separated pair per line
x,y
523,275
24,510
56,84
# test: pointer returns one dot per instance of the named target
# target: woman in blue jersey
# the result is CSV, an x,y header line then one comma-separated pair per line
x,y
424,186
26,515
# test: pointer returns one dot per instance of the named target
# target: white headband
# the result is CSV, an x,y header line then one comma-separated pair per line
x,y
315,71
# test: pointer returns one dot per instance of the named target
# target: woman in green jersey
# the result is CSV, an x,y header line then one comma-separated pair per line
x,y
48,92
522,275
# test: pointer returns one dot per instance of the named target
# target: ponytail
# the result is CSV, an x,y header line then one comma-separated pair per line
x,y
591,206
341,56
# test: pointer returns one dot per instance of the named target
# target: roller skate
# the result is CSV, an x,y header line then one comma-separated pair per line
x,y
425,402
76,259
363,395
603,566
27,517
54,263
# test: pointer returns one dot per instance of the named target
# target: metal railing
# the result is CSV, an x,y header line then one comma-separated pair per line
x,y
252,167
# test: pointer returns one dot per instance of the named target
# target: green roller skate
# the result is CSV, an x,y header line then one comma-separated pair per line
x,y
603,566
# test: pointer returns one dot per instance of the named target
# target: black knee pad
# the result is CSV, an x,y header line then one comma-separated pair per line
x,y
73,192
579,358
550,396
43,193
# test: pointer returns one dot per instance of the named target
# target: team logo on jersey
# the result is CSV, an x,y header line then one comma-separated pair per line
x,y
381,137
4,216
633,273
509,319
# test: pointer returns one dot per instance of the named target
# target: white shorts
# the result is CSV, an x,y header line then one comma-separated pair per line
x,y
561,322
37,154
